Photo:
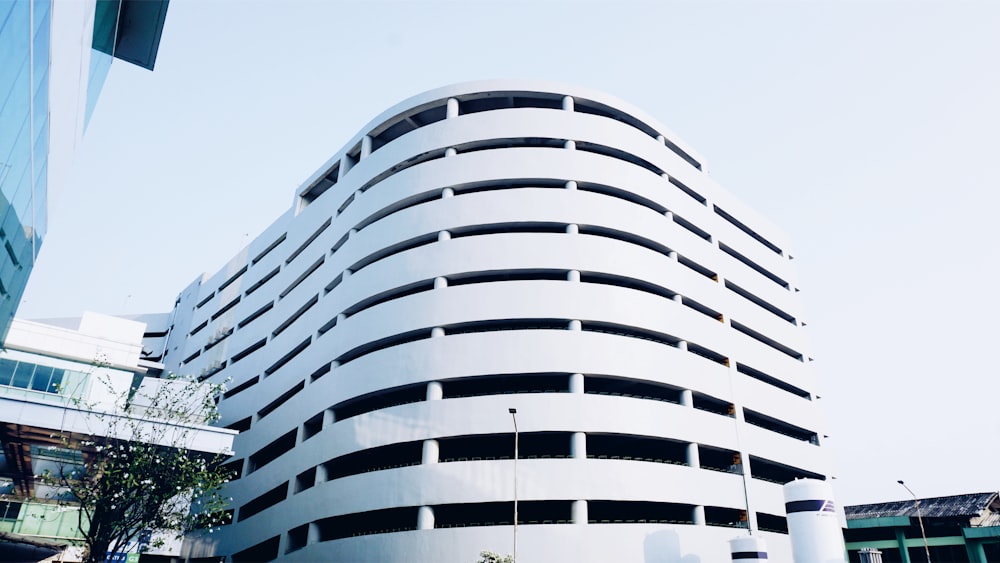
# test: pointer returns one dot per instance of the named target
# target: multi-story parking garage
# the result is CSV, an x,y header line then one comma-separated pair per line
x,y
497,245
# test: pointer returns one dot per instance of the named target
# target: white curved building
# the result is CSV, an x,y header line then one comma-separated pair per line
x,y
496,245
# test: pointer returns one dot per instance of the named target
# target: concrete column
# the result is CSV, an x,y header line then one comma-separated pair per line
x,y
452,110
345,167
572,229
352,233
432,452
312,536
440,282
437,332
669,215
347,274
366,146
687,398
450,151
578,446
447,192
579,512
425,518
673,255
571,185
901,543
320,474
678,298
698,515
329,417
443,236
283,543
575,325
693,457
341,317
661,139
573,276
682,345
434,391
576,383
975,551
567,103
571,145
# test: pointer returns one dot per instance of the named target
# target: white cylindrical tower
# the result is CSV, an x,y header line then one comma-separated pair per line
x,y
813,523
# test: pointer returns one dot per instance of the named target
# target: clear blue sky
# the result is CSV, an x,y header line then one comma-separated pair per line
x,y
868,130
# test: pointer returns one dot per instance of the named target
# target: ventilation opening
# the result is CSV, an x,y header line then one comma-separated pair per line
x,y
531,445
505,275
305,480
636,448
774,472
506,324
312,426
374,459
753,234
383,343
713,405
719,459
380,400
773,381
267,277
390,295
753,265
263,551
780,426
505,384
621,387
636,512
234,468
502,513
759,302
366,523
297,538
772,523
630,283
271,452
281,400
766,340
241,387
725,517
241,425
263,502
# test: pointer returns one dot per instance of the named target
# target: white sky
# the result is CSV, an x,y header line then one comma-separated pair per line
x,y
868,130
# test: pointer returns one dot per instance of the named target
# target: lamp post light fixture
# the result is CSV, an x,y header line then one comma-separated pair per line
x,y
920,519
513,415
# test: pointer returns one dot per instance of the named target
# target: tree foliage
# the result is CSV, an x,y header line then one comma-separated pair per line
x,y
138,472
493,557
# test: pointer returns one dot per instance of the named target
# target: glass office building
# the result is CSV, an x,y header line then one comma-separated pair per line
x,y
39,123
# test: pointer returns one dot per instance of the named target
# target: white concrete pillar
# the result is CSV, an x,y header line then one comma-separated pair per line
x,y
678,298
347,274
693,458
571,185
320,474
687,398
313,535
450,151
341,317
447,192
682,345
366,146
443,236
437,332
345,167
571,145
352,233
576,383
669,215
434,391
568,104
578,446
673,255
575,325
329,417
661,139
432,452
440,282
573,276
580,515
452,110
572,229
698,515
425,518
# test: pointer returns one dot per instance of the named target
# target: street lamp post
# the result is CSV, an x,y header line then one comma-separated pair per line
x,y
920,519
513,415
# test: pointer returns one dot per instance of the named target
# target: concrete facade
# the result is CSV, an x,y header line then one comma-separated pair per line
x,y
495,245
